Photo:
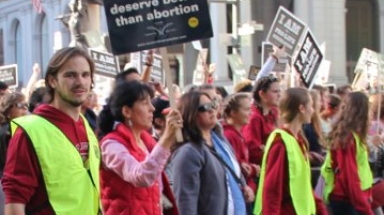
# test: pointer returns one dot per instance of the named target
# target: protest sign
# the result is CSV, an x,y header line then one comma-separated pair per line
x,y
237,66
323,72
136,25
157,73
308,60
139,59
367,69
253,71
266,50
8,75
198,74
105,64
286,30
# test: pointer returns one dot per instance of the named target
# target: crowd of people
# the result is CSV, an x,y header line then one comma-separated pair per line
x,y
261,150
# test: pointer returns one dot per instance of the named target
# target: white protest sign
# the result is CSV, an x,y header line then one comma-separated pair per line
x,y
197,45
367,69
198,74
323,72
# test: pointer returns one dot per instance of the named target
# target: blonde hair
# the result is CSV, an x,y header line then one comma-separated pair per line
x,y
315,120
6,102
232,103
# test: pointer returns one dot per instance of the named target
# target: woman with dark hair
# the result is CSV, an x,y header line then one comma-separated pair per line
x,y
264,116
285,181
206,175
346,171
132,176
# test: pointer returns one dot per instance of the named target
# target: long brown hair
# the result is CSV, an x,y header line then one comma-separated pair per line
x,y
188,107
353,117
315,120
290,102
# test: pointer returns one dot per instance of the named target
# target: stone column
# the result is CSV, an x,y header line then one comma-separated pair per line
x,y
218,52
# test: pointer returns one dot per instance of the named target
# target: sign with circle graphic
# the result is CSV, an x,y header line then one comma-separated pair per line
x,y
136,25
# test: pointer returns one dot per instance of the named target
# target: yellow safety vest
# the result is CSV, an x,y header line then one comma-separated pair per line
x,y
363,168
299,176
72,186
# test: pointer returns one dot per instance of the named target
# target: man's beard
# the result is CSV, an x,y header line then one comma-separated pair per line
x,y
74,103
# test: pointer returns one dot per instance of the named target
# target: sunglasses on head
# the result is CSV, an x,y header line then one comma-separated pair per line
x,y
21,105
269,78
207,107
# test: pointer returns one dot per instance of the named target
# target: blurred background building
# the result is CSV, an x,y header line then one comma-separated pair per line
x,y
346,26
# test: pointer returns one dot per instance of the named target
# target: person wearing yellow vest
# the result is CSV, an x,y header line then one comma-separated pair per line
x,y
53,157
346,171
285,181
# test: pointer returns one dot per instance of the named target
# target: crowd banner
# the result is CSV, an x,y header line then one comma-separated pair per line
x,y
8,75
286,30
136,25
106,64
308,60
266,50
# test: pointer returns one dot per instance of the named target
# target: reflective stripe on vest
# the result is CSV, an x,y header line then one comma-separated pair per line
x,y
363,168
299,176
72,186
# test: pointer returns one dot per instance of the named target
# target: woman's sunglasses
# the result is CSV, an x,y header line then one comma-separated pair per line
x,y
207,107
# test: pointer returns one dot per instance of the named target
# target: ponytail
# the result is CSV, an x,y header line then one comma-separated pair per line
x,y
105,122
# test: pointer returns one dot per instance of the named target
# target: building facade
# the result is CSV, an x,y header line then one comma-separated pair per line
x,y
346,26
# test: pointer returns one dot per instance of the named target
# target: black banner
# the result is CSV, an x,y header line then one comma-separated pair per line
x,y
136,25
286,31
105,63
308,60
8,75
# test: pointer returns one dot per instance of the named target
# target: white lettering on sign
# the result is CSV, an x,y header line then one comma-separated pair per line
x,y
304,53
289,24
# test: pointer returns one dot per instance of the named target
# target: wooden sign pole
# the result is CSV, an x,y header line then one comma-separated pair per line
x,y
168,80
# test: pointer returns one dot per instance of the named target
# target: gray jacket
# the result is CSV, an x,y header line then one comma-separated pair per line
x,y
199,181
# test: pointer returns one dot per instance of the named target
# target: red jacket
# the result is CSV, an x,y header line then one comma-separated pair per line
x,y
347,182
122,198
236,139
23,180
276,182
256,132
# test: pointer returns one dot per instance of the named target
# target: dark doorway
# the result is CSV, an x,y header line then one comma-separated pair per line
x,y
362,25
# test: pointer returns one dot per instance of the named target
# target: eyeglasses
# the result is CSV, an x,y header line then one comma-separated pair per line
x,y
207,107
21,105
